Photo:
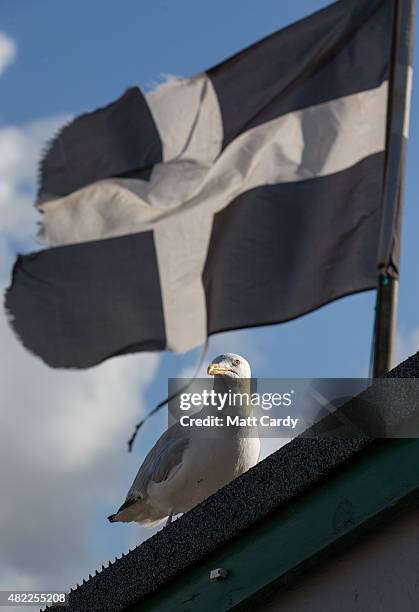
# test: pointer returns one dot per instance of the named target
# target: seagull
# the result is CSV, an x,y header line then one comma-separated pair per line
x,y
188,464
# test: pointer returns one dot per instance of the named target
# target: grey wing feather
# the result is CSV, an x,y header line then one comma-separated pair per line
x,y
165,455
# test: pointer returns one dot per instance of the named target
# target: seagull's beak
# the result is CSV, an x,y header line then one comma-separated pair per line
x,y
214,369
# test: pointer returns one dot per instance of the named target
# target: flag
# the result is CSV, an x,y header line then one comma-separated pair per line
x,y
246,195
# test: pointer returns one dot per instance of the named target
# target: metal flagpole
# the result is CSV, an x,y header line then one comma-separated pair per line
x,y
397,132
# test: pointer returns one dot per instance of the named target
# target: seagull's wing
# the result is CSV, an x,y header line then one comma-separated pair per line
x,y
161,463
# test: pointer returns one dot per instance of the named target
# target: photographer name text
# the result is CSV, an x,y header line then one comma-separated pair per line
x,y
238,421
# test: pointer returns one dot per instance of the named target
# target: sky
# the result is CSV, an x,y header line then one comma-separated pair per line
x,y
63,460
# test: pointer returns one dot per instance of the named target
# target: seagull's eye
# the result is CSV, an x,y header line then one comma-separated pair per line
x,y
236,362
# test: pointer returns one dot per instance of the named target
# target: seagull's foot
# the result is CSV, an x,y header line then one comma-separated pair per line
x,y
169,519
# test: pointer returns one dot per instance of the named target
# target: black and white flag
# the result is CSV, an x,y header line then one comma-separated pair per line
x,y
247,195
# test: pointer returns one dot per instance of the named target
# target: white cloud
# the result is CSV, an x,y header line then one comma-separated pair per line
x,y
62,457
8,51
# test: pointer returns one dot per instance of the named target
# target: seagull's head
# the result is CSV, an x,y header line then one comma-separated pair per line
x,y
229,365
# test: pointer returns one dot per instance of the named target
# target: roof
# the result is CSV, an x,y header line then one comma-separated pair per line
x,y
266,488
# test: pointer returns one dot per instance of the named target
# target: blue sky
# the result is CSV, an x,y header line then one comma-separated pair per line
x,y
71,58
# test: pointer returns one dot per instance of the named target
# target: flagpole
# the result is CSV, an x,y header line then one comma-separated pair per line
x,y
397,132
385,326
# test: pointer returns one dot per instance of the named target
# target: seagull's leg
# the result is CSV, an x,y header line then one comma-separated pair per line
x,y
169,519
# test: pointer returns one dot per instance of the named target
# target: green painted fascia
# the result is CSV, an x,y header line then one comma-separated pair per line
x,y
374,482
